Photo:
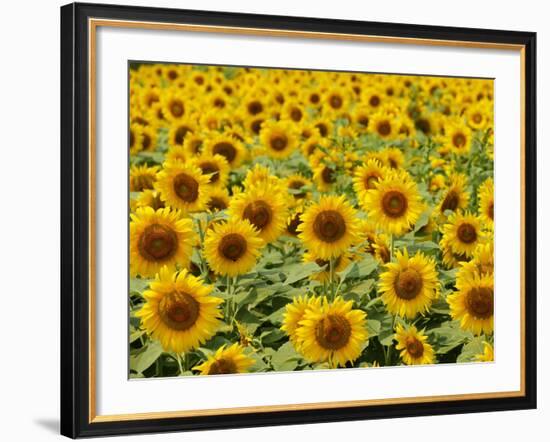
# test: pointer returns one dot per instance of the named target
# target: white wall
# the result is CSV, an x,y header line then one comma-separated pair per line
x,y
29,250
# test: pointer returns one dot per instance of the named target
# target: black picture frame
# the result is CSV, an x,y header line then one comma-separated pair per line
x,y
75,219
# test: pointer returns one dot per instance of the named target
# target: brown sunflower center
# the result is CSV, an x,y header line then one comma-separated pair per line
x,y
329,226
256,125
459,140
225,149
477,118
142,182
450,202
259,213
296,114
491,210
480,302
157,243
255,107
297,185
363,120
186,187
314,98
132,139
216,204
278,142
232,246
210,168
328,175
323,262
423,125
146,141
415,347
408,284
222,366
323,129
293,224
394,204
467,233
370,181
336,101
384,128
176,108
374,101
180,134
333,332
179,311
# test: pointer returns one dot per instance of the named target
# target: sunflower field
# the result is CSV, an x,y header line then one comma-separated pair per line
x,y
286,220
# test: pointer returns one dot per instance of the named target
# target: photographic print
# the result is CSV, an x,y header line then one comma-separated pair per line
x,y
290,220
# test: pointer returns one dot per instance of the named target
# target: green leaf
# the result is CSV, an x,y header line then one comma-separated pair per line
x,y
471,349
448,337
422,221
147,357
139,285
373,327
286,358
272,336
298,272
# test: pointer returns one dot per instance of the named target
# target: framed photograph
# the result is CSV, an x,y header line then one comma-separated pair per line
x,y
274,220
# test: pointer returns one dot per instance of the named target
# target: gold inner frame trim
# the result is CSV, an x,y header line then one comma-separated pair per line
x,y
93,24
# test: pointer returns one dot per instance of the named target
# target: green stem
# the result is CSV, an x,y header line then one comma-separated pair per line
x,y
179,361
331,273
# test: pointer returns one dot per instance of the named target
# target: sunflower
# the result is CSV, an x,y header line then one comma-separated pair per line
x,y
179,311
159,238
232,248
366,177
395,204
179,131
149,198
294,220
228,360
261,176
264,208
215,167
193,145
294,313
278,138
486,198
149,138
329,227
394,157
488,354
143,177
173,105
414,347
333,333
383,125
340,264
381,248
463,233
324,176
295,185
473,303
482,263
218,199
455,196
135,138
293,111
450,258
409,285
183,186
458,137
226,146
176,153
